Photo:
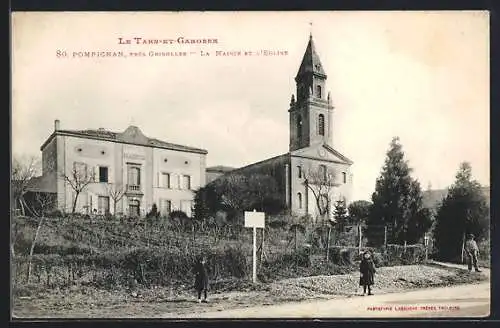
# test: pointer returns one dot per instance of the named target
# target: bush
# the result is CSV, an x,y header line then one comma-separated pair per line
x,y
285,264
380,259
178,215
484,253
160,266
153,213
72,249
278,223
397,255
343,255
55,214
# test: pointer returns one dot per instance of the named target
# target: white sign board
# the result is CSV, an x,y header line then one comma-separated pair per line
x,y
254,219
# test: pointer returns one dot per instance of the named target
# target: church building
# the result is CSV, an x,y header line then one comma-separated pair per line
x,y
312,176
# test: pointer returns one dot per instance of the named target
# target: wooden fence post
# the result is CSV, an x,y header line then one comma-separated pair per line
x,y
360,238
385,236
463,246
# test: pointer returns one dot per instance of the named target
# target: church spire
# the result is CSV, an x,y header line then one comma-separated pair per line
x,y
311,112
310,62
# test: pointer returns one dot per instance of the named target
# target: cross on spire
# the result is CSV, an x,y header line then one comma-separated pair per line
x,y
310,29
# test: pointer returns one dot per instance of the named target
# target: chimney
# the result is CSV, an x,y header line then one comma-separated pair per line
x,y
56,125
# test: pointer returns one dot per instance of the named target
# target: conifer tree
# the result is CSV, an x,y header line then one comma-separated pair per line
x,y
463,211
397,202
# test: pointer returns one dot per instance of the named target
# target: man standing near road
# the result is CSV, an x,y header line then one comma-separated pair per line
x,y
472,253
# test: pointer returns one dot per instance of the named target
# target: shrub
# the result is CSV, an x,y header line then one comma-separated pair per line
x,y
380,259
285,264
153,213
343,255
398,255
55,214
484,249
177,214
278,223
72,249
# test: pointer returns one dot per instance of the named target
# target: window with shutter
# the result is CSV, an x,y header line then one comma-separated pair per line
x,y
103,205
165,180
103,174
110,175
80,169
186,206
165,207
186,182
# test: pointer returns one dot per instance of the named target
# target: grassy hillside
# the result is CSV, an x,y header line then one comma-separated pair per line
x,y
432,198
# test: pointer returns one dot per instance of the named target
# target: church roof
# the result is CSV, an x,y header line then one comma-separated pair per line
x,y
338,154
132,135
310,61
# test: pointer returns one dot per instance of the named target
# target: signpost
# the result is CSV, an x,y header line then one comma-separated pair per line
x,y
254,220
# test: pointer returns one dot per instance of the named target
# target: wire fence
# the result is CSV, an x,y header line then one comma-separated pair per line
x,y
75,249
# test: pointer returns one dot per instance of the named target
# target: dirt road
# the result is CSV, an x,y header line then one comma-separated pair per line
x,y
472,300
399,293
456,301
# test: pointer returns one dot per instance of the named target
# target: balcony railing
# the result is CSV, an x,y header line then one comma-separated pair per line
x,y
133,188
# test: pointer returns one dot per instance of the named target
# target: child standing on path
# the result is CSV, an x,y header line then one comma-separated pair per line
x,y
367,270
201,280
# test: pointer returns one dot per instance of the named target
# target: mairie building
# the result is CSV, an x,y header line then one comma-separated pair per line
x,y
144,170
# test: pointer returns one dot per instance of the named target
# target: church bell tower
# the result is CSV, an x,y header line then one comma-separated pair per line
x,y
311,109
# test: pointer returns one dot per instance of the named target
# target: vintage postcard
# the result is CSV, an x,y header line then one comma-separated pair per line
x,y
304,165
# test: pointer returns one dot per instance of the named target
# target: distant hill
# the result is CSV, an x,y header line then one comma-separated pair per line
x,y
214,172
432,198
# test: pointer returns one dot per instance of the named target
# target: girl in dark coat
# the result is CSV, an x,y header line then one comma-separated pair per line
x,y
201,279
367,270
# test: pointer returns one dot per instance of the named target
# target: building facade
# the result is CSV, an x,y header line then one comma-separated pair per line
x,y
120,173
312,175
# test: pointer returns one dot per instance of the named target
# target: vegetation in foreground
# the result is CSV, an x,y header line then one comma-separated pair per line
x,y
114,255
156,301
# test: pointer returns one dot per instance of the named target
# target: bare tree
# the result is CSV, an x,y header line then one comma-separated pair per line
x,y
22,174
43,202
116,191
79,178
321,182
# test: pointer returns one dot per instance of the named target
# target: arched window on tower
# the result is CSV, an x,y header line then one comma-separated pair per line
x,y
318,91
321,124
299,199
299,127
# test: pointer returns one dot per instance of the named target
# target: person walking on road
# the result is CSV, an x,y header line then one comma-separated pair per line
x,y
472,252
201,279
367,271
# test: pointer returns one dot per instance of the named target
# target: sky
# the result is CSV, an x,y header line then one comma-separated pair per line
x,y
421,76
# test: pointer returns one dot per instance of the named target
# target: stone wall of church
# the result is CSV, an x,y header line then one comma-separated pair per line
x,y
274,167
303,200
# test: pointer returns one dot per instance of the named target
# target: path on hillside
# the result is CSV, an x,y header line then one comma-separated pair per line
x,y
454,301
